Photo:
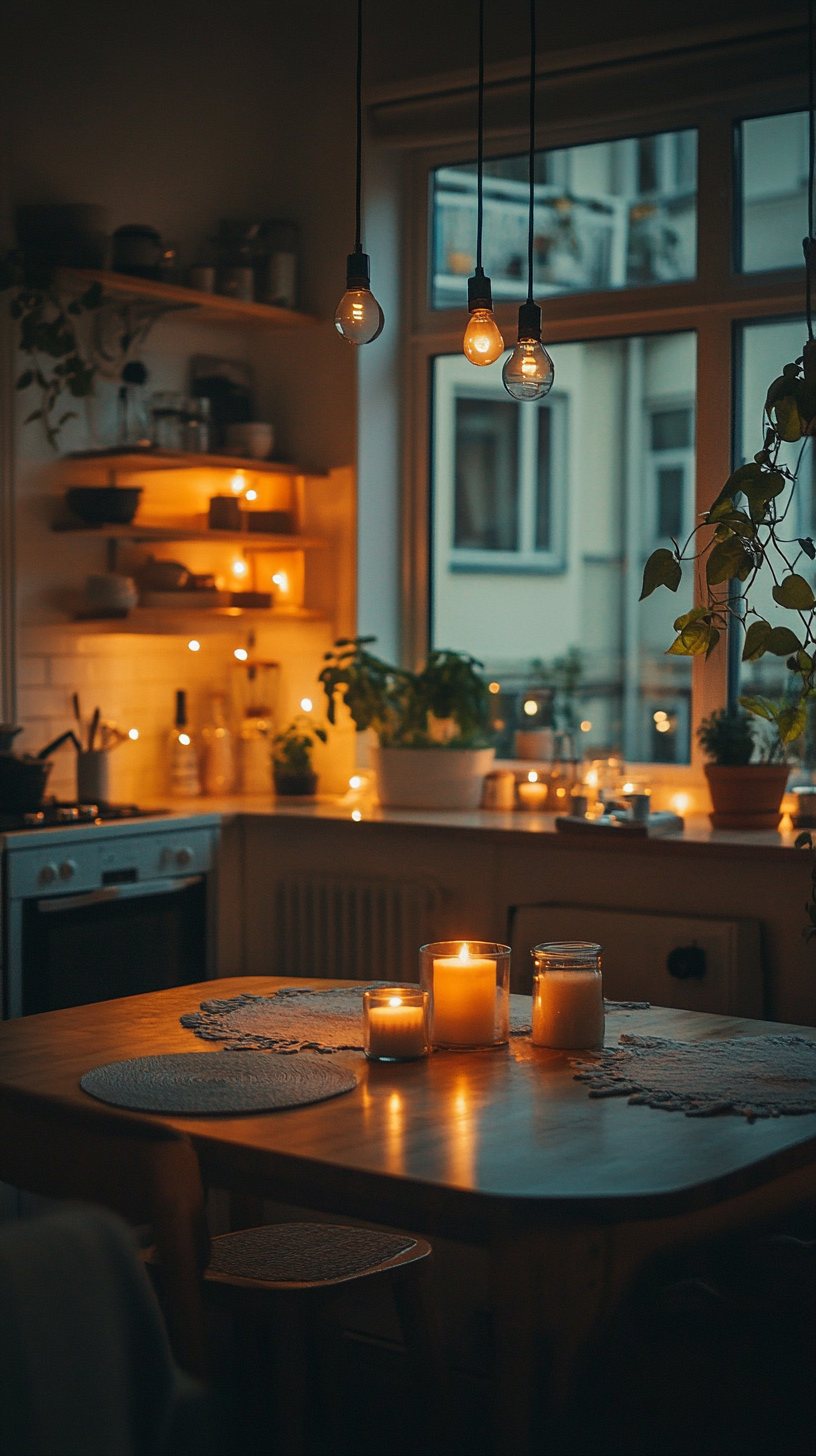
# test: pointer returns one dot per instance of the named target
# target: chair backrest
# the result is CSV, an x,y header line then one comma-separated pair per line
x,y
138,1167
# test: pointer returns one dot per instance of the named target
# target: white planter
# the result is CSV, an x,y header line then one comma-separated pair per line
x,y
431,778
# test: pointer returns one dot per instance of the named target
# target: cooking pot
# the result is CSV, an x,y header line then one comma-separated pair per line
x,y
23,779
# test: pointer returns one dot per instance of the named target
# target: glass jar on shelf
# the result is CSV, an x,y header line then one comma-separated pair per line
x,y
219,749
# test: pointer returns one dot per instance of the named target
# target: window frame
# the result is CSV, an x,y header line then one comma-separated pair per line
x,y
711,305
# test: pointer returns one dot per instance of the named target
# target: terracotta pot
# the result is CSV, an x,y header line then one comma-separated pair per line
x,y
748,796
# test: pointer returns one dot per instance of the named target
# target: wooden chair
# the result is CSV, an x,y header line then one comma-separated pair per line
x,y
280,1273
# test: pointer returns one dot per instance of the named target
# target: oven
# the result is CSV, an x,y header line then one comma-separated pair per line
x,y
98,911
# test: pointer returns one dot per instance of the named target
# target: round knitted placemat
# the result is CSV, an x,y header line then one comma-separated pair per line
x,y
208,1083
300,1253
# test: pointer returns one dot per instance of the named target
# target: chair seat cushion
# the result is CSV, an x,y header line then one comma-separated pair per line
x,y
303,1253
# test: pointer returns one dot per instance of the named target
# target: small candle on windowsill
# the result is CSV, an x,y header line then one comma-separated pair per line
x,y
532,794
395,1026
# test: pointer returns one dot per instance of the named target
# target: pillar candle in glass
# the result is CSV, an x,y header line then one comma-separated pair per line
x,y
468,983
395,1024
532,793
568,1008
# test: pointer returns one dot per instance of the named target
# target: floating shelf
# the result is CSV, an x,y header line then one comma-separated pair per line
x,y
174,296
183,531
130,460
197,620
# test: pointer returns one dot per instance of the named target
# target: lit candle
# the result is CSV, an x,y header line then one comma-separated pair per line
x,y
396,1032
532,794
568,1009
464,1000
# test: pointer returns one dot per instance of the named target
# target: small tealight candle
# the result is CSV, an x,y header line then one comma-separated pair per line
x,y
395,1024
532,794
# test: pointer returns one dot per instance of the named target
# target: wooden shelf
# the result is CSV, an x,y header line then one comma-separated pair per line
x,y
196,620
182,531
211,305
141,460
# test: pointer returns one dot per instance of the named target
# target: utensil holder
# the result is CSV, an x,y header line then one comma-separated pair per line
x,y
93,776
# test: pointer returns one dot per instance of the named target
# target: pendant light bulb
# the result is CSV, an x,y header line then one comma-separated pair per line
x,y
359,318
483,344
529,372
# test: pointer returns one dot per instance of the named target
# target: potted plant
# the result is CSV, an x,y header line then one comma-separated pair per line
x,y
745,795
434,747
292,757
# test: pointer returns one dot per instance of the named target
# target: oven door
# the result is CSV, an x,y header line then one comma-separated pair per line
x,y
116,941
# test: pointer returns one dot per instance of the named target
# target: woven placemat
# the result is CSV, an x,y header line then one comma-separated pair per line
x,y
205,1083
297,1019
303,1252
756,1076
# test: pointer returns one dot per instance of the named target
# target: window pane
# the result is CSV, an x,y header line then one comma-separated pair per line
x,y
543,532
774,151
486,515
596,490
608,215
766,349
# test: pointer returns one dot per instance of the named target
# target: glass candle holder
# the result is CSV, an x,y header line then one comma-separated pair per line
x,y
468,984
395,1024
568,1008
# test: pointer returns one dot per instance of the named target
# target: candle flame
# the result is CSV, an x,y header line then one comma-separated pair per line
x,y
464,954
395,1000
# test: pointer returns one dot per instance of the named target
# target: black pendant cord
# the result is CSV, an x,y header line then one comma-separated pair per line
x,y
530,221
809,244
480,158
358,242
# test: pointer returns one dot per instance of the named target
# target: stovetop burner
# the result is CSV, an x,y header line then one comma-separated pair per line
x,y
50,816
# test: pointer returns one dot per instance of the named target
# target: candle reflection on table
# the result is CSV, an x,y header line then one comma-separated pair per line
x,y
395,1133
463,1135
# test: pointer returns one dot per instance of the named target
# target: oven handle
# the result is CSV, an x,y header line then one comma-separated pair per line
x,y
110,893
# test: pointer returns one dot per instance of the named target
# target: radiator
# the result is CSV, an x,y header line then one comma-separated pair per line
x,y
352,929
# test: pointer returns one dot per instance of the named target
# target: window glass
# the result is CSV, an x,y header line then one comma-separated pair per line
x,y
774,153
564,499
765,349
608,215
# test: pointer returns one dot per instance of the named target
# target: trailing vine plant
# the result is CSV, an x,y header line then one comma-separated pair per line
x,y
48,339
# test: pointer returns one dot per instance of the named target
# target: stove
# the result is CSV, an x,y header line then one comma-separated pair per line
x,y
54,814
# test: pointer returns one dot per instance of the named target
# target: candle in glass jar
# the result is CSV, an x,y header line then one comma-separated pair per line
x,y
464,1000
568,1009
396,1032
532,794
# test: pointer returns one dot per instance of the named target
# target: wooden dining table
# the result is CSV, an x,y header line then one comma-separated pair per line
x,y
503,1149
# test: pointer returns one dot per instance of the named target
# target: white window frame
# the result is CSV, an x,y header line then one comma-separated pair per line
x,y
711,304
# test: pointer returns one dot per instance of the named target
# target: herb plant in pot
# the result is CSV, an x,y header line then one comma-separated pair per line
x,y
745,795
434,748
292,769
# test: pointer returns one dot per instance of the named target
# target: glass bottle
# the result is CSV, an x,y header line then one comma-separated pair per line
x,y
219,750
568,1008
184,775
255,736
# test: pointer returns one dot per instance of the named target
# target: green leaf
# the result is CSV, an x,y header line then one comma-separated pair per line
x,y
760,707
694,640
791,722
794,593
788,422
25,379
696,614
723,506
808,547
782,642
756,640
803,840
37,415
738,522
759,493
728,559
802,662
662,569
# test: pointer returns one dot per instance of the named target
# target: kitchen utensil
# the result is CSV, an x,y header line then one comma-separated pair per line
x,y
57,743
22,783
137,251
109,591
93,776
92,730
253,438
77,713
100,505
8,733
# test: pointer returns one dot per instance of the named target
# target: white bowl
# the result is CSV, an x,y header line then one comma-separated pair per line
x,y
254,439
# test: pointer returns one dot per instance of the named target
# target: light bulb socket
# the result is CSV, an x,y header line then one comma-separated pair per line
x,y
358,270
480,293
529,324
